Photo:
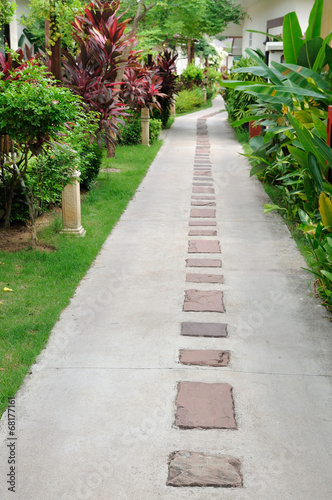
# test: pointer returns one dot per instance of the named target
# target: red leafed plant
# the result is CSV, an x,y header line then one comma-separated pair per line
x,y
164,67
141,88
91,72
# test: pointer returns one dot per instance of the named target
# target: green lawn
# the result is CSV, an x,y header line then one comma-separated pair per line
x,y
43,282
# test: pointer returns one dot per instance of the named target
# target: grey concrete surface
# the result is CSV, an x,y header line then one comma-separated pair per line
x,y
95,416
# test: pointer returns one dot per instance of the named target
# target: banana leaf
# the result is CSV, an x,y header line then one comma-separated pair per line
x,y
315,20
280,92
292,35
309,52
300,156
320,127
271,73
322,55
276,37
325,210
251,118
317,146
315,171
302,76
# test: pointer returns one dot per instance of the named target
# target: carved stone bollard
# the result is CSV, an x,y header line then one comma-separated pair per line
x,y
172,109
71,207
205,95
145,126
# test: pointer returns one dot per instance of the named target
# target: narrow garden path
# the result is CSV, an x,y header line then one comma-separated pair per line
x,y
192,355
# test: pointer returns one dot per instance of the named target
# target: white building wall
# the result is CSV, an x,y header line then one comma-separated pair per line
x,y
16,29
262,11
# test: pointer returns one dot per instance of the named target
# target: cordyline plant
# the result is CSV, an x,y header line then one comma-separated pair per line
x,y
100,35
33,110
166,69
141,88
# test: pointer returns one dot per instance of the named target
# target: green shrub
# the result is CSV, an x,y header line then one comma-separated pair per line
x,y
155,129
130,133
187,100
192,76
237,103
90,162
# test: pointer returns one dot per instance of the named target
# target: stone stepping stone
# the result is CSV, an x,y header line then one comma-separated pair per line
x,y
188,468
203,262
202,213
200,222
204,406
207,190
202,197
200,203
204,301
203,173
204,246
203,232
204,278
191,329
204,357
202,184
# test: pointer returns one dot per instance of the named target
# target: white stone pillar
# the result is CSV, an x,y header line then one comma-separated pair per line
x,y
145,126
71,207
172,109
205,96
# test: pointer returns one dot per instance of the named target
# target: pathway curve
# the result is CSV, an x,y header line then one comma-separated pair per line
x,y
192,354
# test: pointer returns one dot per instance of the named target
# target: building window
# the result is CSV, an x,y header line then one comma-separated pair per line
x,y
250,39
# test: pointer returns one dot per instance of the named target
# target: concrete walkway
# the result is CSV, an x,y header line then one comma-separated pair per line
x,y
101,412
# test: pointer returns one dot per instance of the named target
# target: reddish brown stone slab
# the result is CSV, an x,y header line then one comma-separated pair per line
x,y
188,468
204,301
201,222
204,406
202,213
204,278
203,184
203,173
207,190
202,197
203,262
204,246
200,203
191,329
203,232
204,357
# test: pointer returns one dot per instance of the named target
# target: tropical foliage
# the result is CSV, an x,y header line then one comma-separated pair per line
x,y
293,154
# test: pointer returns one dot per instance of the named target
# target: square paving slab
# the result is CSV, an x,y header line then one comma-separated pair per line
x,y
204,357
203,262
188,468
204,406
192,329
204,301
204,278
204,246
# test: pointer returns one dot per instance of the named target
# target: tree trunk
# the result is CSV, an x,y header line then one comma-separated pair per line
x,y
9,202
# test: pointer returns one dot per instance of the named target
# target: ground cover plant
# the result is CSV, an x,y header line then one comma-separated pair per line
x,y
42,282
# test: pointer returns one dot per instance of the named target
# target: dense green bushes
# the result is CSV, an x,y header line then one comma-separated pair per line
x,y
187,100
130,132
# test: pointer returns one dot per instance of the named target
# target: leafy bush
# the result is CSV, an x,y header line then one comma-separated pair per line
x,y
187,100
192,76
131,131
237,103
155,129
91,157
